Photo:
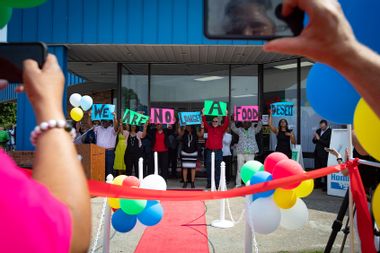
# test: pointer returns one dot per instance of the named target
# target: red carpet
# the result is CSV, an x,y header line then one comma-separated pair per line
x,y
182,229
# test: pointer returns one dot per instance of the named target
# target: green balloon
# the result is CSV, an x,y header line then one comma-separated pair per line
x,y
5,16
21,3
249,169
132,206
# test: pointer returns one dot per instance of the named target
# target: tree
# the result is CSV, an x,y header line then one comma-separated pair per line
x,y
7,114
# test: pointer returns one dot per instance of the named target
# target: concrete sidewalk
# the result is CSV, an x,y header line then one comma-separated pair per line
x,y
311,238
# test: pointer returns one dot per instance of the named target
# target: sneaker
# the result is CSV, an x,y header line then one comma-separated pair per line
x,y
184,185
192,185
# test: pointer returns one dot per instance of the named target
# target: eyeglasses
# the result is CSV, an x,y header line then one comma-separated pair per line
x,y
214,121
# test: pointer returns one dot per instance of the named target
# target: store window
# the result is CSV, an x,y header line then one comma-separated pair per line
x,y
244,85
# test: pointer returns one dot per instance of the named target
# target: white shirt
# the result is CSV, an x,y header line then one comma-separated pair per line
x,y
105,137
227,138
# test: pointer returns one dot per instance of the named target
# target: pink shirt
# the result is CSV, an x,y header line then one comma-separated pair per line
x,y
32,220
105,137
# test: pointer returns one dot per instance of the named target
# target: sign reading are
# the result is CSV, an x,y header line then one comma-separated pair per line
x,y
282,109
162,116
215,108
134,118
102,112
190,118
246,113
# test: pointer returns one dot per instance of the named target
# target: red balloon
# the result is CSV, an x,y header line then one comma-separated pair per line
x,y
114,209
272,160
131,181
286,168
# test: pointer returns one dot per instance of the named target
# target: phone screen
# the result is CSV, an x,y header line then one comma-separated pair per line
x,y
12,56
250,19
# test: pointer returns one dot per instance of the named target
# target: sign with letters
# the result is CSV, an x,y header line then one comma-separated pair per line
x,y
282,109
190,118
162,116
102,112
246,113
134,118
215,108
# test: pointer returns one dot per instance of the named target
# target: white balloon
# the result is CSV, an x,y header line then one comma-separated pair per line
x,y
154,182
265,215
86,102
295,217
75,99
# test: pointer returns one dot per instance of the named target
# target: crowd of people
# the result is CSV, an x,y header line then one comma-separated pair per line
x,y
8,138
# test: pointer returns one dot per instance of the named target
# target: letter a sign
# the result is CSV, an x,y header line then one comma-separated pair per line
x,y
215,108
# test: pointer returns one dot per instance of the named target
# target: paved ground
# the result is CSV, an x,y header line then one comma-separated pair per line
x,y
311,238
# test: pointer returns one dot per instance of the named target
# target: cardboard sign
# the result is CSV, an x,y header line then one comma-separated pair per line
x,y
162,116
246,113
190,118
282,109
215,108
102,112
134,118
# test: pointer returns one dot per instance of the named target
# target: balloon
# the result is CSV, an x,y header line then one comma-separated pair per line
x,y
21,3
131,181
114,203
376,205
119,180
260,177
272,160
322,77
295,217
86,102
284,199
5,16
305,188
367,125
132,206
287,168
265,215
123,222
75,99
154,182
76,114
152,214
249,169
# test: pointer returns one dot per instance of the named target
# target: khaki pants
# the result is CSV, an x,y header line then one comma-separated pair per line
x,y
241,159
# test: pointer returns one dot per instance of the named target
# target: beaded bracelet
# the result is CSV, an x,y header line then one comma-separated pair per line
x,y
45,126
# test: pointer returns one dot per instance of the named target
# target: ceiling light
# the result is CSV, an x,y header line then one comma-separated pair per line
x,y
245,96
294,65
208,78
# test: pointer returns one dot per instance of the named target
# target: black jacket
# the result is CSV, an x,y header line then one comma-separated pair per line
x,y
322,143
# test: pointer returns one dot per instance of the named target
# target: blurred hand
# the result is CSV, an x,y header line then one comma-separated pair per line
x,y
317,137
327,38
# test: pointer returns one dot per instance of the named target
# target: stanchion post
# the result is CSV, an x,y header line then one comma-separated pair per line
x,y
141,169
213,188
248,230
156,163
107,223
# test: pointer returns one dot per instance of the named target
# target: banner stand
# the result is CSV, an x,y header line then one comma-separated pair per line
x,y
213,187
141,169
107,223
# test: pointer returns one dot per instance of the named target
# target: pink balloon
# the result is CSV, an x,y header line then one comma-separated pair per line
x,y
131,181
272,160
286,168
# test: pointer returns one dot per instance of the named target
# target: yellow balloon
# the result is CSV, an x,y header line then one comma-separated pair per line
x,y
284,199
367,125
119,180
305,188
76,114
376,205
114,203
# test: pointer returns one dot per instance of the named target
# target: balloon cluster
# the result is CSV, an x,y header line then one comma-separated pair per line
x,y
77,101
6,8
127,212
283,206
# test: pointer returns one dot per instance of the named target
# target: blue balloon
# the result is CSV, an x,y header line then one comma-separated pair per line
x,y
261,177
152,214
331,95
123,222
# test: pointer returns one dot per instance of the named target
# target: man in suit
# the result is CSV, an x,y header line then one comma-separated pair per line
x,y
321,140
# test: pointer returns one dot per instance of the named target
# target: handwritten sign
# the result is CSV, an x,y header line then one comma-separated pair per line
x,y
246,113
190,118
282,109
162,116
134,118
102,112
215,108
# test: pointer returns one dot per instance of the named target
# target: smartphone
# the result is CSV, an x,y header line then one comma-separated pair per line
x,y
12,56
250,20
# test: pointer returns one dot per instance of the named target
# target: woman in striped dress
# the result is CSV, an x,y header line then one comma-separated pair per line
x,y
189,152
